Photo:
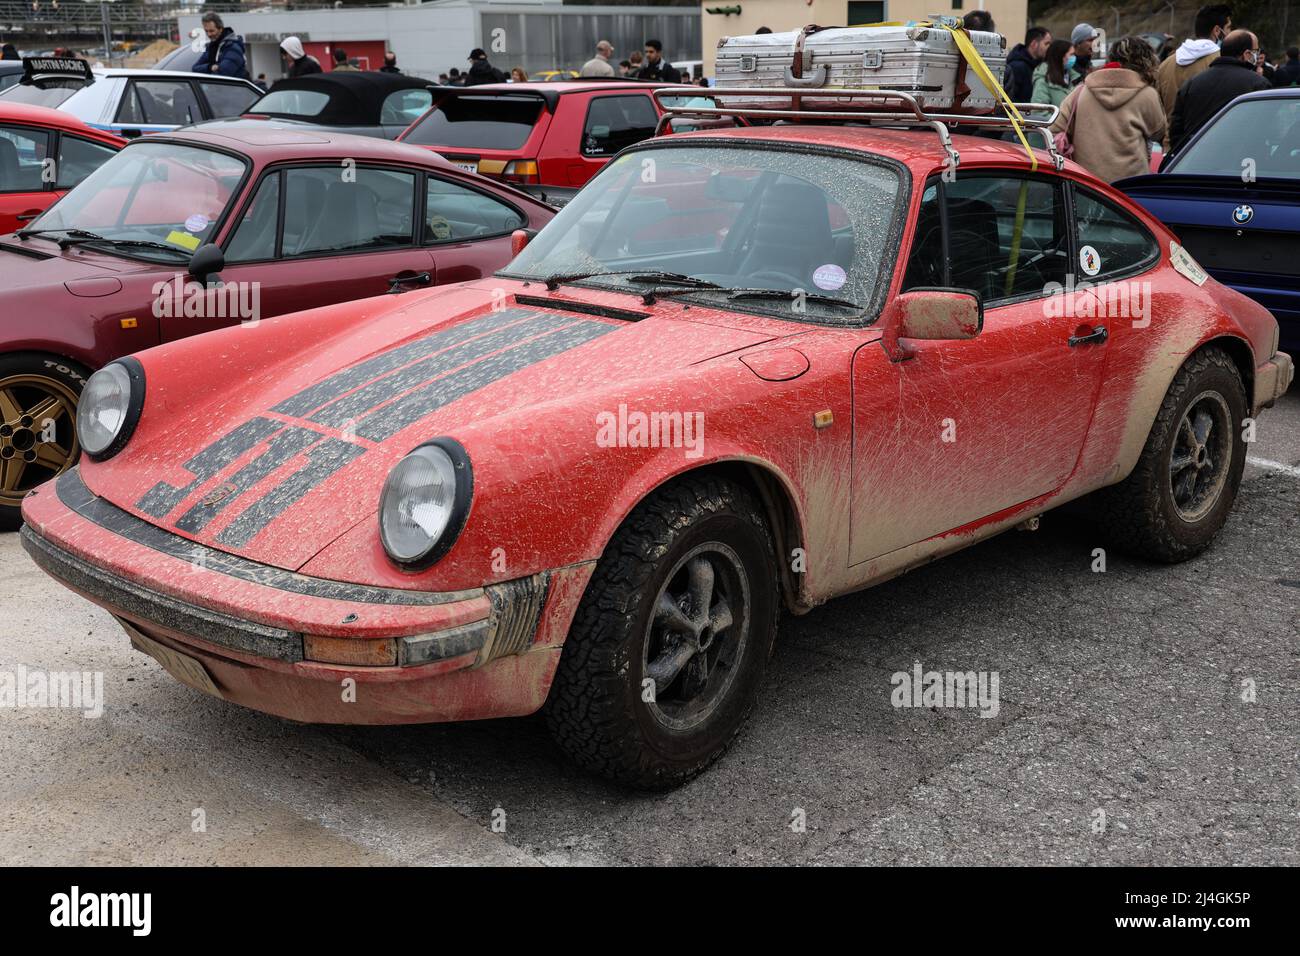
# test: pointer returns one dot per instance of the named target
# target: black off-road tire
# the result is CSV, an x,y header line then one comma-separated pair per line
x,y
596,711
24,377
1139,515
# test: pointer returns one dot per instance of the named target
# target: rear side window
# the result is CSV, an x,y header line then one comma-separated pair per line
x,y
479,122
228,99
293,103
616,122
78,158
22,159
1110,242
325,213
454,212
159,103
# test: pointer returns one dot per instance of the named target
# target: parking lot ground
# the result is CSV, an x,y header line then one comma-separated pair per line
x,y
1147,715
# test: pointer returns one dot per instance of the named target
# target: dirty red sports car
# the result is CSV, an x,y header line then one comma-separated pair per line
x,y
742,371
287,219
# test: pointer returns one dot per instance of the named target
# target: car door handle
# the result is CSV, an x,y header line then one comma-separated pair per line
x,y
28,216
1098,335
407,278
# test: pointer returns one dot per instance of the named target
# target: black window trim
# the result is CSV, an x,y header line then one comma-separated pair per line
x,y
586,120
423,208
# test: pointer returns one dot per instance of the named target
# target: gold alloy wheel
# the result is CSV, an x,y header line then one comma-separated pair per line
x,y
38,438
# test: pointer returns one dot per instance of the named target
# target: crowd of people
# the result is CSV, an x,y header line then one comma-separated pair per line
x,y
645,64
1113,108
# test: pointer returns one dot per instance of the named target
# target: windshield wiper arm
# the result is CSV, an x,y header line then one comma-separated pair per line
x,y
791,296
134,243
634,275
24,233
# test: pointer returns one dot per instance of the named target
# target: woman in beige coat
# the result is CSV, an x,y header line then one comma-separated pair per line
x,y
1119,113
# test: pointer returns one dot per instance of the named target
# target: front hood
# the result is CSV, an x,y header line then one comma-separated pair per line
x,y
272,441
40,264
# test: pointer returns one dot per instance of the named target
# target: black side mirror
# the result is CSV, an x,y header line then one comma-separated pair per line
x,y
207,261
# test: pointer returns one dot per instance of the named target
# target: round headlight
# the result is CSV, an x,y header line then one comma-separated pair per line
x,y
108,407
424,503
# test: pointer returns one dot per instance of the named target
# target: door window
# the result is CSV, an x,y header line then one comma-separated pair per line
x,y
78,158
254,237
228,99
159,103
22,159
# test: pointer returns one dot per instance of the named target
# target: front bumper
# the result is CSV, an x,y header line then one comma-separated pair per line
x,y
485,652
1272,379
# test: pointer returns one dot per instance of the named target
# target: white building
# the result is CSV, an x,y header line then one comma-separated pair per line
x,y
431,38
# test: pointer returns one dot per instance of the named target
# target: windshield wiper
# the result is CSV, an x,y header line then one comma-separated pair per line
x,y
791,296
133,243
634,275
24,233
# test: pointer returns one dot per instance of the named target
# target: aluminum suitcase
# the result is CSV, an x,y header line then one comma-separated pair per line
x,y
921,60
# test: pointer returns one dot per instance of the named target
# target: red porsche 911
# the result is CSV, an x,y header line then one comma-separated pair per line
x,y
185,232
741,371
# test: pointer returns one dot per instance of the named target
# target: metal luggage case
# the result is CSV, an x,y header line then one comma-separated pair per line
x,y
923,61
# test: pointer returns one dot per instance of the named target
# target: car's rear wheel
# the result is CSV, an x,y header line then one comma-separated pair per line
x,y
668,647
1183,488
38,437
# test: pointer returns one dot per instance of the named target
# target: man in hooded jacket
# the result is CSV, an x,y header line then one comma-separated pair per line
x,y
224,54
300,64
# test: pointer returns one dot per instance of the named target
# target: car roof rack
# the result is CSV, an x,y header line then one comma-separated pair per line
x,y
886,108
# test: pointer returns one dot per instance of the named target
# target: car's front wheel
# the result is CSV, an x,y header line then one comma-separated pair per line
x,y
38,437
669,645
1180,493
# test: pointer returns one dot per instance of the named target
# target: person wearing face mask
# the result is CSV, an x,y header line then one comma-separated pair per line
x,y
1233,73
1056,75
1194,55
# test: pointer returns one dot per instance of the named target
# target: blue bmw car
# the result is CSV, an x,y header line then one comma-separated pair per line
x,y
1232,196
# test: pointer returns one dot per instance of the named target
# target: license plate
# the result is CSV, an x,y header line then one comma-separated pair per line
x,y
468,167
188,670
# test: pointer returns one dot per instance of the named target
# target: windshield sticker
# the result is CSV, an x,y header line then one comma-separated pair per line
x,y
830,277
1089,261
184,240
1185,265
197,222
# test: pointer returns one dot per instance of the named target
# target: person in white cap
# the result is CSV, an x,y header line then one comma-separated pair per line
x,y
1082,37
300,64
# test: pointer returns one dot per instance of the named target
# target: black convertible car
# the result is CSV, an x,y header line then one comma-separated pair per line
x,y
365,103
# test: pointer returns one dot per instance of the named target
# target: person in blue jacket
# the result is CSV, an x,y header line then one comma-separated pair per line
x,y
224,54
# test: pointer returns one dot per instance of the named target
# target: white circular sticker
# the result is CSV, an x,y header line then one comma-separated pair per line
x,y
1089,261
197,222
829,277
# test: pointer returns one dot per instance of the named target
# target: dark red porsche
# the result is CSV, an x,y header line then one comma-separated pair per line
x,y
187,232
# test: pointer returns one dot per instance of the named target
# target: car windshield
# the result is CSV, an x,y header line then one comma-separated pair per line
x,y
150,191
1264,133
767,229
291,103
483,121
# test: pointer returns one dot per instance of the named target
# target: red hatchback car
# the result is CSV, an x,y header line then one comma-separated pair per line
x,y
286,219
741,371
43,154
548,134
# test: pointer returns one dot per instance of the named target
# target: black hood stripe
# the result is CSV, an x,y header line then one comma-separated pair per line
x,y
355,405
324,459
338,384
207,464
387,421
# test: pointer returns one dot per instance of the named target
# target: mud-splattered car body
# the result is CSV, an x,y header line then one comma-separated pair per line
x,y
237,524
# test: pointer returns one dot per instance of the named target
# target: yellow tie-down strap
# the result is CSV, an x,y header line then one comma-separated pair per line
x,y
975,62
